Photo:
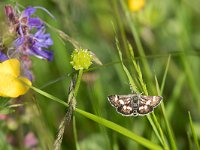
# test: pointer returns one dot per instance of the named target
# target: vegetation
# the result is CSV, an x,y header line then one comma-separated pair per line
x,y
103,48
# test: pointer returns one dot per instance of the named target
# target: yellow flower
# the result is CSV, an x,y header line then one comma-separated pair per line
x,y
136,5
11,84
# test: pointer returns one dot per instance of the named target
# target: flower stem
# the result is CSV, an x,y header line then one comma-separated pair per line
x,y
78,81
75,133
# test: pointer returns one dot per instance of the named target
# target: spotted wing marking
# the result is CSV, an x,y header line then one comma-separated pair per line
x,y
122,103
134,104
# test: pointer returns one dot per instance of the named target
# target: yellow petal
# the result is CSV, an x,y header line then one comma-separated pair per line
x,y
10,84
136,5
11,67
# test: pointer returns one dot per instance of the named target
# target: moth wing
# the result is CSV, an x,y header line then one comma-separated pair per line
x,y
153,101
119,100
144,109
122,103
126,110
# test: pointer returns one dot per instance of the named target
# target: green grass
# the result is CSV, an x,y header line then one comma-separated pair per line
x,y
155,51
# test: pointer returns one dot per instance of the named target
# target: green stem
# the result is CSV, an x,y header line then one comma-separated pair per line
x,y
66,119
78,81
75,133
121,28
138,42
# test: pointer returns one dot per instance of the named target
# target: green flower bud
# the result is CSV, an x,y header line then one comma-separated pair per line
x,y
81,59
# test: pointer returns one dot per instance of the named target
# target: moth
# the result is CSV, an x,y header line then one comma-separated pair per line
x,y
134,104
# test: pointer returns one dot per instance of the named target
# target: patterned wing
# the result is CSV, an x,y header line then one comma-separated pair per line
x,y
122,103
153,101
148,103
134,104
144,109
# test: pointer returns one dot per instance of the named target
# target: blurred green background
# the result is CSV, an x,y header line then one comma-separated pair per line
x,y
164,27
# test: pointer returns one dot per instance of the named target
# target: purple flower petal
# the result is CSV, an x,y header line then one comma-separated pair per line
x,y
44,54
28,12
3,57
19,41
42,39
43,42
35,22
40,32
28,74
20,31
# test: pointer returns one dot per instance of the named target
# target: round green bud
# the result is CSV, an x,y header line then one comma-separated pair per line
x,y
81,59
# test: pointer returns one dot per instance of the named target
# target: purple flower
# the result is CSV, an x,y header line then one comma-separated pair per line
x,y
29,41
27,23
31,22
31,37
34,44
3,57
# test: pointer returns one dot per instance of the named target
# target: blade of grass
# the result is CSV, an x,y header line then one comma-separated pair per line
x,y
177,91
169,129
49,96
154,122
97,94
104,122
155,129
193,131
137,68
164,142
138,42
191,80
120,25
131,81
134,86
165,74
120,129
189,141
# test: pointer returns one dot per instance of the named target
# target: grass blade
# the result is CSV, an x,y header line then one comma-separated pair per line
x,y
165,74
131,81
135,87
146,143
193,131
169,129
137,41
177,91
